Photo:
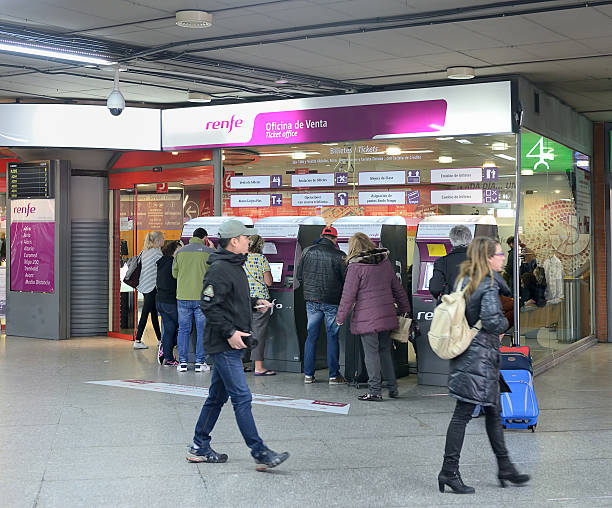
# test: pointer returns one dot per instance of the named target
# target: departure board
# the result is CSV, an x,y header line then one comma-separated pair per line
x,y
30,180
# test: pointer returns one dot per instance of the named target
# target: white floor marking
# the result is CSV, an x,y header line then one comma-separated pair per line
x,y
323,406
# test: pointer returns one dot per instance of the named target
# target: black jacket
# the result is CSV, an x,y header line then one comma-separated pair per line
x,y
166,284
321,272
446,270
226,300
474,374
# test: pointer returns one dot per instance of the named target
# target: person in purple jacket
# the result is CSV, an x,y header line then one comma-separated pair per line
x,y
370,290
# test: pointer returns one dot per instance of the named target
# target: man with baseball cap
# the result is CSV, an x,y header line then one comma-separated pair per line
x,y
227,305
321,273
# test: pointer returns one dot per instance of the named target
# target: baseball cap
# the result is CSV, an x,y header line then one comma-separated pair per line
x,y
234,228
328,230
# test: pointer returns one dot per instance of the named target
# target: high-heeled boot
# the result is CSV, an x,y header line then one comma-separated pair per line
x,y
454,481
508,472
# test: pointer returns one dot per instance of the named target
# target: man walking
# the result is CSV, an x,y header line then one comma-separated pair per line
x,y
227,304
188,268
321,273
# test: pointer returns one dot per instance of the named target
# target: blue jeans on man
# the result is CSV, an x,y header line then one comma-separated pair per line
x,y
228,380
316,312
188,310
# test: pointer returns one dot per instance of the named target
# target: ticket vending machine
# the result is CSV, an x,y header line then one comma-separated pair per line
x,y
211,225
432,242
285,239
390,233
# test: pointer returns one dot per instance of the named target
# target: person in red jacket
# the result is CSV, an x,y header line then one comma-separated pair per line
x,y
370,290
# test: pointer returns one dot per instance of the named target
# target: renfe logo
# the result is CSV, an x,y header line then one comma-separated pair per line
x,y
224,124
26,210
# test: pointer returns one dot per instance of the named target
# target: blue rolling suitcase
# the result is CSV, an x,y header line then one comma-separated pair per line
x,y
519,408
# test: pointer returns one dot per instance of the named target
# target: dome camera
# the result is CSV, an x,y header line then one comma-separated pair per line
x,y
115,102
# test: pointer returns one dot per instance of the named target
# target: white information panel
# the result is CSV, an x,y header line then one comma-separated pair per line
x,y
434,231
244,200
318,199
382,198
456,175
456,197
250,182
313,180
380,178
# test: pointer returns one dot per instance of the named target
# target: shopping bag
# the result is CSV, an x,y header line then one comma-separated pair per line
x,y
402,333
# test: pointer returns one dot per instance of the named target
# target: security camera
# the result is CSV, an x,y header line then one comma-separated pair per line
x,y
115,102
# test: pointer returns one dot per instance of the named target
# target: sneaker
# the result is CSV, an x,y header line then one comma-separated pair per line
x,y
370,397
309,380
338,380
210,456
160,354
202,367
267,459
182,367
170,363
140,345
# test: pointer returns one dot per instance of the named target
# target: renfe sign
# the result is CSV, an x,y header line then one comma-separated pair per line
x,y
475,108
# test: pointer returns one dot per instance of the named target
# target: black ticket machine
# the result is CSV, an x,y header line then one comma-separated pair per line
x,y
389,233
285,239
211,225
432,242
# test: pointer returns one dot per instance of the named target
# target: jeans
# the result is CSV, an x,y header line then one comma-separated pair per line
x,y
228,380
456,433
148,307
378,360
169,316
316,311
187,311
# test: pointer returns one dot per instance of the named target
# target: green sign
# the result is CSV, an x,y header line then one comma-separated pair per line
x,y
541,155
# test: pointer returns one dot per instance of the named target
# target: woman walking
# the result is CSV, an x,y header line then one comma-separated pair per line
x,y
259,274
166,303
474,375
371,290
151,252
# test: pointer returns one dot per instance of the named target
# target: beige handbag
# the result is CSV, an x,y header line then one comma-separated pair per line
x,y
402,332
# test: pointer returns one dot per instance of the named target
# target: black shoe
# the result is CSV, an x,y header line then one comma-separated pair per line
x,y
267,459
369,396
393,394
454,481
509,473
210,456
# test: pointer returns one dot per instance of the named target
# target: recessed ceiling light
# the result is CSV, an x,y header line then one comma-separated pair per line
x,y
504,156
489,165
460,73
298,156
445,138
329,144
445,159
499,146
393,150
193,19
526,172
557,191
174,153
464,141
198,97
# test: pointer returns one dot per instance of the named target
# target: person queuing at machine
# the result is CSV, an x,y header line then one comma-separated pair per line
x,y
166,303
151,252
446,268
321,273
371,291
227,305
189,267
474,375
259,274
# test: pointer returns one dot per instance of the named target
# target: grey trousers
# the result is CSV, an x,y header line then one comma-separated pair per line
x,y
379,364
259,329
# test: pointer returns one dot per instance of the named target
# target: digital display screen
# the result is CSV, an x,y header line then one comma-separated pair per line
x,y
277,271
428,269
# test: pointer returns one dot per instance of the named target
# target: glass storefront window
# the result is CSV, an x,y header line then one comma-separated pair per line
x,y
555,228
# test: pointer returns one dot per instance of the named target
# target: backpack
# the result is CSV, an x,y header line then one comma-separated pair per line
x,y
450,334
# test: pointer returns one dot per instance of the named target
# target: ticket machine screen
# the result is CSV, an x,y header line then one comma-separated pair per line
x,y
277,271
427,270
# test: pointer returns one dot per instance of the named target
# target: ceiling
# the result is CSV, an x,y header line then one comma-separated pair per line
x,y
320,47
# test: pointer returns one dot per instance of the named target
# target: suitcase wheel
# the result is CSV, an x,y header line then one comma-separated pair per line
x,y
532,428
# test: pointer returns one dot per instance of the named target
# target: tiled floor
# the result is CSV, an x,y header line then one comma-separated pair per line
x,y
65,443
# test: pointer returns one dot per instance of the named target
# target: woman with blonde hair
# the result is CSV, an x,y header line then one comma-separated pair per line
x,y
151,252
474,376
371,290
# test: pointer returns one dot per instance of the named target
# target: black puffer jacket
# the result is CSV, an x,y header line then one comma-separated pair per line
x,y
321,272
474,375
